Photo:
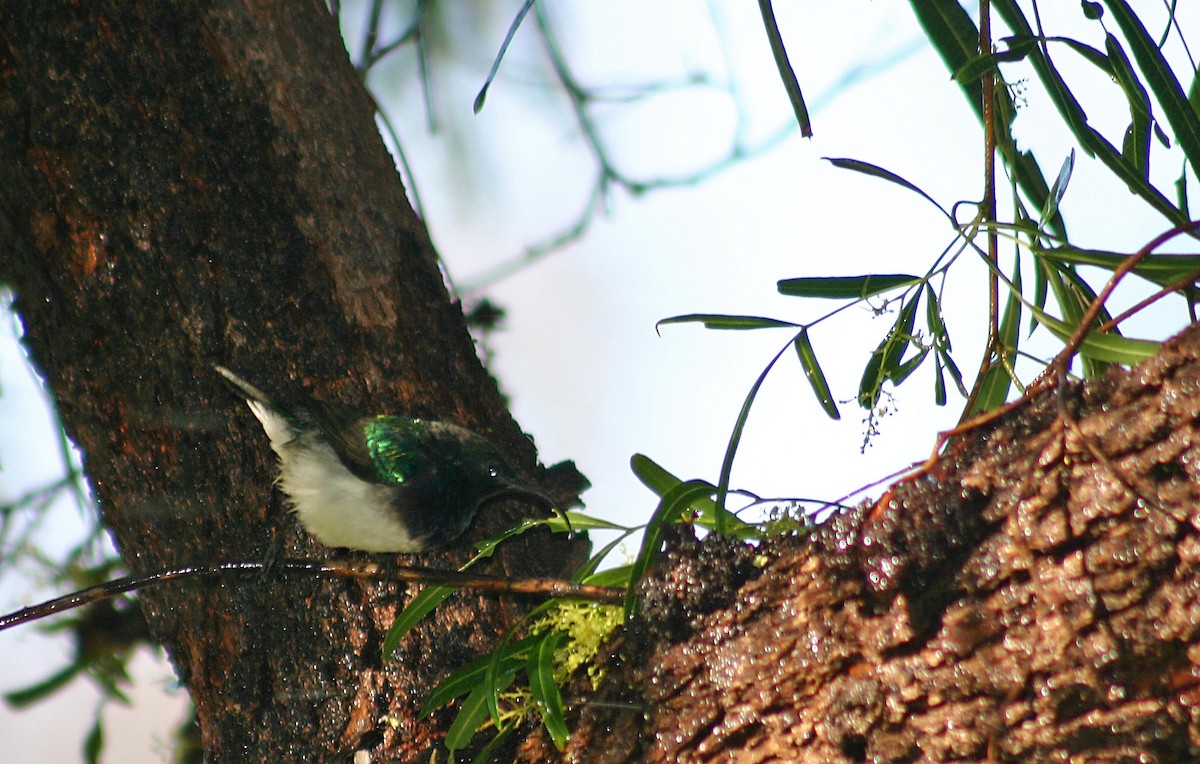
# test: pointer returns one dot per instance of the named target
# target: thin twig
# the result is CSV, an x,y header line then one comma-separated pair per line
x,y
546,587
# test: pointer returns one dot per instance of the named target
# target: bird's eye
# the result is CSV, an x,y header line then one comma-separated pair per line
x,y
494,470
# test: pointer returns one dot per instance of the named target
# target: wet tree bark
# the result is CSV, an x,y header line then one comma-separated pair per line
x,y
199,182
1034,596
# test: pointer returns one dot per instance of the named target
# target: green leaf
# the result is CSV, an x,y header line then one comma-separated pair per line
x,y
580,521
1181,191
846,287
546,695
586,573
420,606
933,317
660,481
814,374
1136,147
979,65
955,374
735,438
461,682
1160,269
1019,48
653,475
669,510
718,321
876,171
939,382
471,716
618,576
904,370
1059,188
1104,346
93,744
1162,81
886,359
997,380
784,66
27,696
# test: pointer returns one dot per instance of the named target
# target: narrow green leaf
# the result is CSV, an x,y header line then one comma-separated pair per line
x,y
580,521
471,716
816,377
845,287
997,381
93,744
1033,184
876,171
735,438
1162,81
653,475
494,677
27,696
546,695
933,318
1194,93
618,576
904,370
586,573
1059,188
784,66
993,390
1160,269
939,382
464,679
955,374
1181,194
718,321
660,481
977,66
420,606
1019,48
886,358
669,510
1104,347
1041,288
1136,147
487,547
1010,322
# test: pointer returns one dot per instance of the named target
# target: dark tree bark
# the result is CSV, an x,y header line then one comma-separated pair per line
x,y
198,182
1032,596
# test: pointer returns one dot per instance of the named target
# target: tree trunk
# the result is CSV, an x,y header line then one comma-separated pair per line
x,y
1032,596
199,182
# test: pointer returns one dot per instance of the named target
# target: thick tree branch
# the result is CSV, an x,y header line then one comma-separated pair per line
x,y
1034,596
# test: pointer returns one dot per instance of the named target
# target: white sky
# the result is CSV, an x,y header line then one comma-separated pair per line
x,y
588,376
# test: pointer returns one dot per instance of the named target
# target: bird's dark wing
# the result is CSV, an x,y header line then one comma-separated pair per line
x,y
343,428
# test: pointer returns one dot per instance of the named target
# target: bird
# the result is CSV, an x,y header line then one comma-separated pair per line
x,y
383,482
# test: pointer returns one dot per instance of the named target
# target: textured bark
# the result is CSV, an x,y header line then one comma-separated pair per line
x,y
1034,596
198,182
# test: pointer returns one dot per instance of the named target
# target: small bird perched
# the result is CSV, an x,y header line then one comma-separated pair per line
x,y
379,483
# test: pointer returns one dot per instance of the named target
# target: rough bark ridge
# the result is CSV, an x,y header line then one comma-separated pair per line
x,y
1032,597
198,182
